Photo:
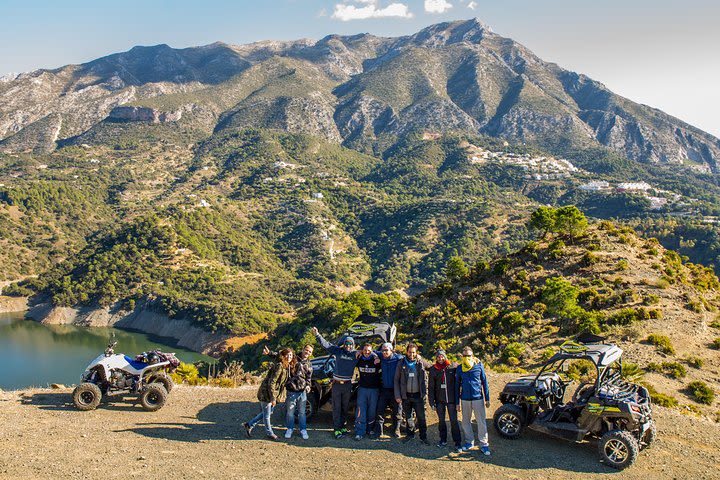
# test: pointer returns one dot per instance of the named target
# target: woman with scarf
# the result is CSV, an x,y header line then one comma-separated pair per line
x,y
272,390
442,398
471,388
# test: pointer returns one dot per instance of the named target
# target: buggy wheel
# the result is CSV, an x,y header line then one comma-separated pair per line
x,y
509,421
153,397
312,405
618,449
86,396
650,435
163,380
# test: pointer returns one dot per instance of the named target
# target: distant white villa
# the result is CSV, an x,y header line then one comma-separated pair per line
x,y
595,186
633,187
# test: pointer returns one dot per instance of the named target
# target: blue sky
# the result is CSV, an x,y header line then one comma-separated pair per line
x,y
661,53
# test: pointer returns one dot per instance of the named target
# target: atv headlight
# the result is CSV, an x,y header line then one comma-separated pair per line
x,y
636,408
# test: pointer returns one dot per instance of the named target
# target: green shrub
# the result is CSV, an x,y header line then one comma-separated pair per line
x,y
664,400
513,350
716,343
663,283
501,267
622,265
671,369
702,392
695,362
651,299
632,372
456,269
715,324
590,258
662,342
547,353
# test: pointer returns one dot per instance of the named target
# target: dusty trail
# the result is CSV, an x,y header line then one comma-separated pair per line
x,y
198,435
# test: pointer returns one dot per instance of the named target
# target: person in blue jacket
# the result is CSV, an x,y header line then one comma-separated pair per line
x,y
471,388
388,363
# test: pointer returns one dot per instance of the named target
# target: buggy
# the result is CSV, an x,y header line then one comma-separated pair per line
x,y
610,409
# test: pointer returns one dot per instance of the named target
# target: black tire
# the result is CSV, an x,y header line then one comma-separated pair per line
x,y
618,449
509,421
153,397
86,396
164,380
649,437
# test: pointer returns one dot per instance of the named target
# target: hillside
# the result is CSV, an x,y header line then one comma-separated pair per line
x,y
660,308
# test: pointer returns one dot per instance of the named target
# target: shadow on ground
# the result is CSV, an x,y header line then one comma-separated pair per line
x,y
63,401
223,421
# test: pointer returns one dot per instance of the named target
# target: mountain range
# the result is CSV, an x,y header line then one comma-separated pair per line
x,y
361,91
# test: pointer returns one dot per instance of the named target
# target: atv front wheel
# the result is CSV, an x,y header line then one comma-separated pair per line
x,y
86,396
153,397
650,435
618,449
509,421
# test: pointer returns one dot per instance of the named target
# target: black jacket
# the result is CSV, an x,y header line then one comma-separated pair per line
x,y
436,379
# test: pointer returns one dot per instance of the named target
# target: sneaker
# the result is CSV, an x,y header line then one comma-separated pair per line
x,y
248,429
467,446
304,434
441,444
344,431
288,433
338,434
459,449
397,433
358,437
485,450
424,441
272,437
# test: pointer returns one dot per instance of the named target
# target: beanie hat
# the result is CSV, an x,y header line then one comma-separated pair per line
x,y
387,345
440,352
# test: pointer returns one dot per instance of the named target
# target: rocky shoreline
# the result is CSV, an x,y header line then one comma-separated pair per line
x,y
142,319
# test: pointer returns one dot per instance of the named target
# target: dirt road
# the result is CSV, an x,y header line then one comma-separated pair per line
x,y
198,434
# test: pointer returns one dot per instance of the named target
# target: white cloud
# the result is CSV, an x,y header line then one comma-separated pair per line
x,y
472,5
437,6
346,12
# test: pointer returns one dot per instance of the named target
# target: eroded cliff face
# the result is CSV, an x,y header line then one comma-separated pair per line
x,y
141,319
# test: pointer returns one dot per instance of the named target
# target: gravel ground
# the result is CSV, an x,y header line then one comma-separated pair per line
x,y
198,434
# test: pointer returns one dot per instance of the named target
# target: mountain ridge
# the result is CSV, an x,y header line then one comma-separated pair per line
x,y
452,76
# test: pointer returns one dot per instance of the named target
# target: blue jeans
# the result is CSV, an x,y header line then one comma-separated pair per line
x,y
367,399
296,401
264,415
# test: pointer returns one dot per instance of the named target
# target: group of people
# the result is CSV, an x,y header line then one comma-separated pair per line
x,y
386,380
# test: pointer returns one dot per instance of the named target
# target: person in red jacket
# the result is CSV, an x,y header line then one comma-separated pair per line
x,y
442,397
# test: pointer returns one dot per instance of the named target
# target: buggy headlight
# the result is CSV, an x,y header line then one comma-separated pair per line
x,y
635,408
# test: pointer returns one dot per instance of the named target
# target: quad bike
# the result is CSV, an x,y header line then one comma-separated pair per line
x,y
615,412
111,374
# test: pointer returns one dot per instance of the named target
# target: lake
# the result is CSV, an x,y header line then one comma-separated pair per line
x,y
33,354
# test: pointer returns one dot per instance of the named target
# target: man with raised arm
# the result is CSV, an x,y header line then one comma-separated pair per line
x,y
346,358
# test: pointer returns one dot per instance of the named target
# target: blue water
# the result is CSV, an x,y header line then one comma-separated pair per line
x,y
36,355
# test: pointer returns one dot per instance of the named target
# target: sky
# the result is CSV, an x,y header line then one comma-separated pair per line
x,y
657,52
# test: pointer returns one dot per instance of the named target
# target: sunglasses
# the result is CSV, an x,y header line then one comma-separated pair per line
x,y
349,344
385,350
